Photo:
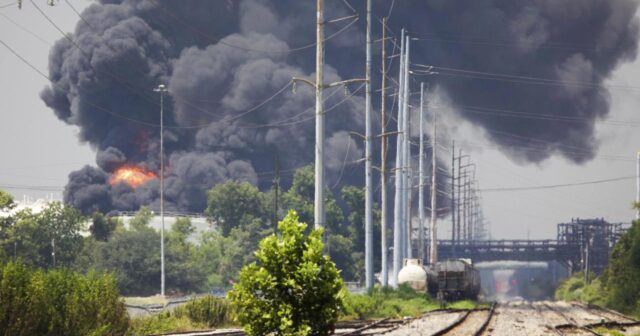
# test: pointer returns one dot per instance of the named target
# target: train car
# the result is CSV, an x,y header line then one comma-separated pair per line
x,y
457,279
414,275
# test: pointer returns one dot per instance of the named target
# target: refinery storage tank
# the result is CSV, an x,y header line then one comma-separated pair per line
x,y
414,275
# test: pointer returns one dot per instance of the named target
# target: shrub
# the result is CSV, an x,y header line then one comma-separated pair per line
x,y
293,289
161,323
209,310
59,302
388,302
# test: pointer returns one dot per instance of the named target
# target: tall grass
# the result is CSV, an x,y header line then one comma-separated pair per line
x,y
387,302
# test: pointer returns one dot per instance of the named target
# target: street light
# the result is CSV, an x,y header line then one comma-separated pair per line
x,y
162,89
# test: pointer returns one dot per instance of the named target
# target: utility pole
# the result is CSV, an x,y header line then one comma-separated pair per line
x,y
459,194
319,85
318,211
368,202
421,178
383,161
465,205
397,204
162,89
434,194
638,186
453,196
276,187
407,152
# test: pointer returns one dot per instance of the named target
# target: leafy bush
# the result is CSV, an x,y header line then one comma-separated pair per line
x,y
161,323
59,302
388,302
294,290
209,310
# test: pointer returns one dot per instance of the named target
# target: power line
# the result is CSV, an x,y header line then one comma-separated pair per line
x,y
554,186
30,187
25,29
466,73
542,116
290,50
486,42
149,124
8,5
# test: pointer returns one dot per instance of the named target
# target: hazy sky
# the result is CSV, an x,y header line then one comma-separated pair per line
x,y
39,151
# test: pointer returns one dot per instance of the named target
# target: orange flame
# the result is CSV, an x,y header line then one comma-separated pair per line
x,y
132,175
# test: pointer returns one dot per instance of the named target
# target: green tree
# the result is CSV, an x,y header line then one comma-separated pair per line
x,y
59,302
293,289
229,202
6,201
6,222
222,257
340,249
354,200
300,198
36,237
141,219
102,226
183,275
134,256
623,272
62,225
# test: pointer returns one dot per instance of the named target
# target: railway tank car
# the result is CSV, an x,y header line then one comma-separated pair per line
x,y
457,279
417,276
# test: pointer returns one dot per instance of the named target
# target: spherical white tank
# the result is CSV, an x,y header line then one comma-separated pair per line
x,y
413,274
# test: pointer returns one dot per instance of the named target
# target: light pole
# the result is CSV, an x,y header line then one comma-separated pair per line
x,y
162,89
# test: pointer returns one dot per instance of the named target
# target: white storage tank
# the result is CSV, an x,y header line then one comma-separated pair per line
x,y
413,274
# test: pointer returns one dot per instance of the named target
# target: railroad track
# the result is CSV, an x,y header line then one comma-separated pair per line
x,y
343,328
570,328
471,322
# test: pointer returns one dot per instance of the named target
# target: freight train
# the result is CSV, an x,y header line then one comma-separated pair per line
x,y
450,279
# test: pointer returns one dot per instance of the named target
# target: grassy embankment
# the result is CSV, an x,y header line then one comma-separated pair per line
x,y
209,312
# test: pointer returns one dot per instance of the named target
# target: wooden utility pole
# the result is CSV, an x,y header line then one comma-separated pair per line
x,y
383,162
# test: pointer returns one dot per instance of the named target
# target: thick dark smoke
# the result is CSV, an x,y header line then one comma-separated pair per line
x,y
220,59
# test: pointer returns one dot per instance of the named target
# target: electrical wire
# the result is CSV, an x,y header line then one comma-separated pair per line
x,y
541,116
140,122
25,29
290,50
28,187
554,186
125,83
486,42
344,163
284,124
465,73
8,5
393,2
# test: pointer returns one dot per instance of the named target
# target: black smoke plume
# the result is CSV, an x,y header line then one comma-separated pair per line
x,y
222,59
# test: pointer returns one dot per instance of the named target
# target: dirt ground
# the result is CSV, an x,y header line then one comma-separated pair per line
x,y
524,318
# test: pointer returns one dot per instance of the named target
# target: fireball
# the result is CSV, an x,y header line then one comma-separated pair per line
x,y
132,175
